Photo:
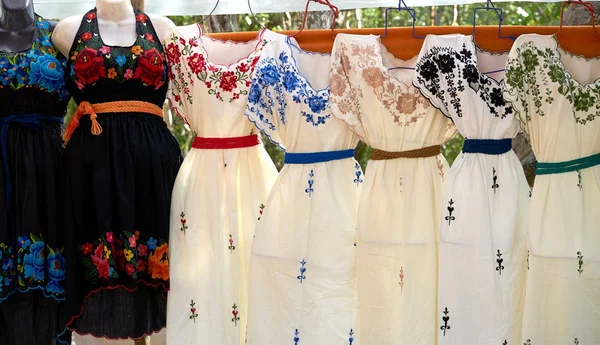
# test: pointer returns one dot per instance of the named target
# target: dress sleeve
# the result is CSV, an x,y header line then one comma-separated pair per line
x,y
266,103
179,76
344,101
428,78
515,84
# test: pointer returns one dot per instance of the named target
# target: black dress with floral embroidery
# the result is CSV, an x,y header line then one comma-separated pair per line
x,y
32,268
118,186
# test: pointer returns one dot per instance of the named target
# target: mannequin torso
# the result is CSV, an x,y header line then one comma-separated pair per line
x,y
116,23
17,25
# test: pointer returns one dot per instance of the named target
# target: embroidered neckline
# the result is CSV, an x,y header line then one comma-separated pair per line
x,y
291,47
260,42
383,50
562,52
137,30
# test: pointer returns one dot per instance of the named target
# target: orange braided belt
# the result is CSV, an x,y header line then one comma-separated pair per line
x,y
86,108
430,151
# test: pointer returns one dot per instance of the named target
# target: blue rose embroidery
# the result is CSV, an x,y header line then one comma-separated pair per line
x,y
270,75
47,72
56,273
290,81
121,60
254,94
34,262
316,104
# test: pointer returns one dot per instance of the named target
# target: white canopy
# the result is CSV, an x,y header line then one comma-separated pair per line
x,y
57,9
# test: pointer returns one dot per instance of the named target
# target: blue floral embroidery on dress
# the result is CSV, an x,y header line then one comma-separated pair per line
x,y
301,277
311,181
296,336
30,264
358,173
351,339
311,118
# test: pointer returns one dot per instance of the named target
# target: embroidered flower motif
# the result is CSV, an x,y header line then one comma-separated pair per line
x,y
311,181
86,36
235,313
500,260
228,81
42,24
197,63
407,104
89,67
149,37
428,70
351,338
337,85
580,263
445,319
301,277
296,337
231,246
152,243
128,74
158,263
373,77
470,73
23,242
255,93
401,276
269,75
34,261
91,16
260,212
358,173
112,73
151,68
183,221
137,50
104,50
495,184
450,208
290,81
193,314
142,250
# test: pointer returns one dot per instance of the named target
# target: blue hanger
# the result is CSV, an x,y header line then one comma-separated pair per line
x,y
401,7
489,6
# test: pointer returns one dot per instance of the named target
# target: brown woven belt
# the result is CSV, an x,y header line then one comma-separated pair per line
x,y
430,151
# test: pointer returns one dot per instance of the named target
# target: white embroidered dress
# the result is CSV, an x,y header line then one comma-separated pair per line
x,y
557,97
302,271
483,249
401,200
218,193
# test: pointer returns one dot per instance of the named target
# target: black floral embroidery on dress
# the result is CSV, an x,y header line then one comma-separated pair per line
x,y
579,184
500,260
580,263
495,179
505,342
457,68
445,319
527,342
528,258
576,341
450,208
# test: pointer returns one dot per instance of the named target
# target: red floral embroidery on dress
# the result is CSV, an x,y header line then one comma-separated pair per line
x,y
219,80
231,246
401,276
183,221
235,313
193,314
260,212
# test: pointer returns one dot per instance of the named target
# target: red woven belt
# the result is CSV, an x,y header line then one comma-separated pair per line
x,y
225,143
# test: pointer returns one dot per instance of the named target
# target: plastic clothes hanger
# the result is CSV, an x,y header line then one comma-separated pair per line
x,y
411,11
333,9
489,6
588,5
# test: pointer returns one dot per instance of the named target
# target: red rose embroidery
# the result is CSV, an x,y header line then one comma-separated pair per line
x,y
89,67
149,37
151,68
141,18
228,81
100,262
181,41
173,53
193,42
86,36
197,63
243,67
91,16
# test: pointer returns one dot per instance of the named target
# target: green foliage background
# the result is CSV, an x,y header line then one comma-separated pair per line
x,y
514,13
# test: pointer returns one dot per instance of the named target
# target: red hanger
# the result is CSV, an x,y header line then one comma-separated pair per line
x,y
333,9
587,5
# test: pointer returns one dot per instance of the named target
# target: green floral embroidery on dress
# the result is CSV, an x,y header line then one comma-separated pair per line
x,y
537,69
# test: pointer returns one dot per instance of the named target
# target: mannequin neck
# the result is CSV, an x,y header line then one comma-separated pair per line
x,y
16,15
114,10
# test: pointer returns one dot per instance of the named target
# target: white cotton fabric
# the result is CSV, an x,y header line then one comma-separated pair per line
x,y
563,289
398,219
483,252
302,271
218,193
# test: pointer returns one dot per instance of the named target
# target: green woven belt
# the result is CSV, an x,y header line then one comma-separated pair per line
x,y
567,166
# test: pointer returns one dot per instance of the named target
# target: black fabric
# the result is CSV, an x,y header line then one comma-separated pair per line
x,y
118,189
32,272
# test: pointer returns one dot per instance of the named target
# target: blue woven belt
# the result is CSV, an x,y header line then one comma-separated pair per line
x,y
31,121
544,168
487,146
317,157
